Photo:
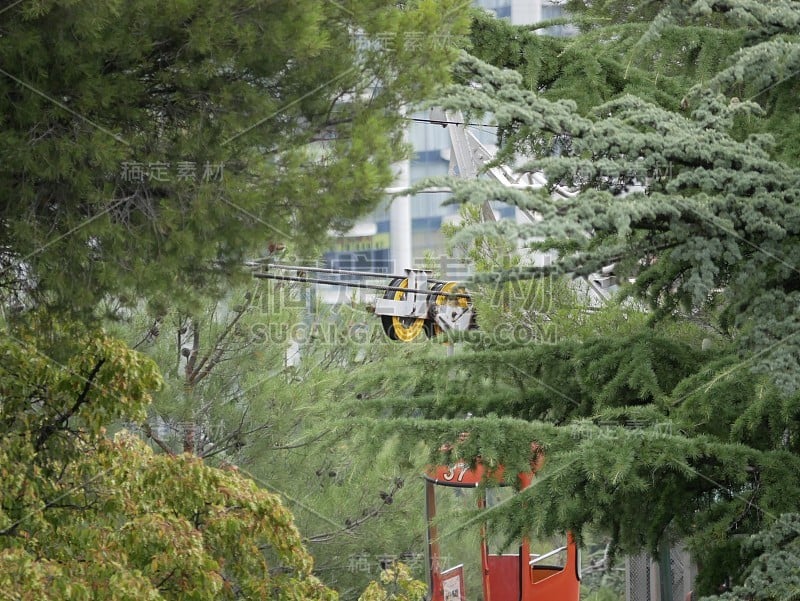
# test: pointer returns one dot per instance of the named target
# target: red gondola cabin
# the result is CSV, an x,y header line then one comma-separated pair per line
x,y
519,576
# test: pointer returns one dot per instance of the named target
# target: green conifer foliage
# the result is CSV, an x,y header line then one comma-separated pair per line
x,y
701,219
773,572
683,424
149,148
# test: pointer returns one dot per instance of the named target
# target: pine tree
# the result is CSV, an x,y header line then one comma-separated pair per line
x,y
251,382
148,149
695,203
682,422
773,572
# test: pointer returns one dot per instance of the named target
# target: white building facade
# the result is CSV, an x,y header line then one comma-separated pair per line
x,y
401,234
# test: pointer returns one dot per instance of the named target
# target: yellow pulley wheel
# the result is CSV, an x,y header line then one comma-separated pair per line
x,y
404,329
386,320
455,302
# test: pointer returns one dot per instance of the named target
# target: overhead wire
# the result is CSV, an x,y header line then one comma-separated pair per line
x,y
444,122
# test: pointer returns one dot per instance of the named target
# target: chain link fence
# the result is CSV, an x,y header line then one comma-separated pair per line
x,y
671,579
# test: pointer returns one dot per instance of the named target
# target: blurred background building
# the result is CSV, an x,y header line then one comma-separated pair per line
x,y
402,233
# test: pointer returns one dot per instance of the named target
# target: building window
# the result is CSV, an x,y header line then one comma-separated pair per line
x,y
553,11
501,8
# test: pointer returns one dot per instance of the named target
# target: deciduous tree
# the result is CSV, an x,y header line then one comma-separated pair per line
x,y
84,517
